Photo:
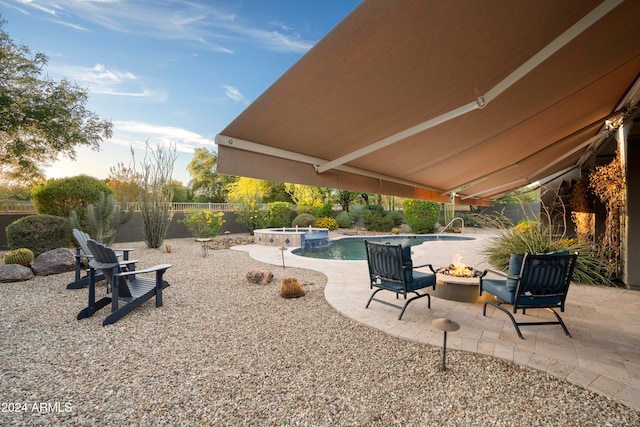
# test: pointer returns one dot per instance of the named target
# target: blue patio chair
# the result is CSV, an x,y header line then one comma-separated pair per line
x,y
533,281
391,269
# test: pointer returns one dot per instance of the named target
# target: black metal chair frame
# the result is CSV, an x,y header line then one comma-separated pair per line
x,y
543,282
128,286
388,272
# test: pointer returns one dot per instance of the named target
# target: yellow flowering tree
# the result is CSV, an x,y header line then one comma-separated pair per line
x,y
203,222
248,193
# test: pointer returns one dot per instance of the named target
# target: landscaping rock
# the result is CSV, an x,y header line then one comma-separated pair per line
x,y
15,273
260,276
227,242
55,261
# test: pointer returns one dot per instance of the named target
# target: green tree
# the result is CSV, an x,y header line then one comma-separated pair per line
x,y
206,184
60,196
16,191
179,191
249,194
346,198
307,195
39,118
276,192
124,182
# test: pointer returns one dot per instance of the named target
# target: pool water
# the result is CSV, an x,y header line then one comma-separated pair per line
x,y
352,248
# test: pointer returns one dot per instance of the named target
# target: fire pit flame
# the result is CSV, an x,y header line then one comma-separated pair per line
x,y
458,269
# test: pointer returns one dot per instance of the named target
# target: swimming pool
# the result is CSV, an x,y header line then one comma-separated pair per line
x,y
352,248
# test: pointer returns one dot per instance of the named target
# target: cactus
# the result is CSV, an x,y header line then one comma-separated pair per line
x,y
291,288
22,256
104,218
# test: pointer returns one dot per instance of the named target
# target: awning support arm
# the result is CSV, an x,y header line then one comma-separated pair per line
x,y
480,102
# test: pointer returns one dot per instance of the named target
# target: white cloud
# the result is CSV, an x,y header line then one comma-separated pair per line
x,y
137,133
235,95
104,81
202,23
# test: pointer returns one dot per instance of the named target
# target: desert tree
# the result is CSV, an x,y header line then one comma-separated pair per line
x,y
40,118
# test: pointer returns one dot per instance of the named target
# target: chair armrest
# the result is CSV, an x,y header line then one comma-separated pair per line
x,y
125,253
499,273
102,265
425,265
161,267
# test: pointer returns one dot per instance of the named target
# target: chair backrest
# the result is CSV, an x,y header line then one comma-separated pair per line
x,y
82,238
385,261
545,275
105,259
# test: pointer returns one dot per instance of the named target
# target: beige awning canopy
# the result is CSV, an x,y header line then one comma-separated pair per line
x,y
422,98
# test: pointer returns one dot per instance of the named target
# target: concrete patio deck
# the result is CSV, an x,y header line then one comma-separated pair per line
x,y
603,354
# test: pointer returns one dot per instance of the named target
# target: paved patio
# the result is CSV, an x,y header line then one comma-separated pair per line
x,y
603,354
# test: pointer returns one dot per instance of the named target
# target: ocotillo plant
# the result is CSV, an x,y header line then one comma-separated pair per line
x,y
156,195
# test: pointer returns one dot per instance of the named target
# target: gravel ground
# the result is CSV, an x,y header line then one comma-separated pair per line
x,y
225,352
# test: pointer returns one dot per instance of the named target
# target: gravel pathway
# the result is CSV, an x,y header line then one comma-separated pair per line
x,y
225,352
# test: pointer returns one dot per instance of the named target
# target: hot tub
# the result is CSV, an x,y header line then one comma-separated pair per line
x,y
292,237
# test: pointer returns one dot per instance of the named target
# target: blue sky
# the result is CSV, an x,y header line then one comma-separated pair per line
x,y
167,70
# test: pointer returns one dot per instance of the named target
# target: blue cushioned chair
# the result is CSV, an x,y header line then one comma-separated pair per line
x,y
533,281
391,269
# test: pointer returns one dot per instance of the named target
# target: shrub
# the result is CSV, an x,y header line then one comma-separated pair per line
x,y
321,210
317,211
327,222
60,196
21,256
279,214
532,238
303,209
203,223
343,219
421,215
39,233
251,215
304,220
396,217
356,215
377,220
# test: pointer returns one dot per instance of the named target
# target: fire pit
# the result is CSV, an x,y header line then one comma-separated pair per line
x,y
457,282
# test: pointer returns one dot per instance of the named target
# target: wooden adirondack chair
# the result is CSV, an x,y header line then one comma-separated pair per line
x,y
128,286
82,253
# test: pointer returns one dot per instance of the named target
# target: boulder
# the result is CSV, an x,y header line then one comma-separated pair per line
x,y
260,276
15,273
55,261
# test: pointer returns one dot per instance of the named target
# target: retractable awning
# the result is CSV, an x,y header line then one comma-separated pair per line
x,y
422,98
